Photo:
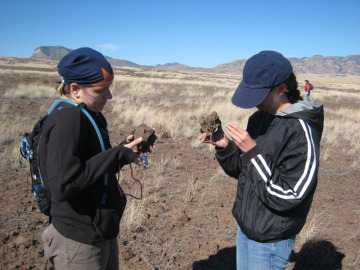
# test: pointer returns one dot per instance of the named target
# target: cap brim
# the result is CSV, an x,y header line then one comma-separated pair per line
x,y
247,97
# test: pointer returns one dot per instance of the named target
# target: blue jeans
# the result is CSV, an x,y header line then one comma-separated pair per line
x,y
252,255
307,96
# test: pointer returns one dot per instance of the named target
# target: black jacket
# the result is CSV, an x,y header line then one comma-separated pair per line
x,y
74,165
278,177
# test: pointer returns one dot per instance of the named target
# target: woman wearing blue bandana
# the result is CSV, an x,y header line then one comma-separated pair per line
x,y
86,200
275,161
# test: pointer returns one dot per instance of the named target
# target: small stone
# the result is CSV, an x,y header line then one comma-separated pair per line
x,y
20,240
148,135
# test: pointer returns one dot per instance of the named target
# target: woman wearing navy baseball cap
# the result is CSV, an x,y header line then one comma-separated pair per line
x,y
275,161
79,164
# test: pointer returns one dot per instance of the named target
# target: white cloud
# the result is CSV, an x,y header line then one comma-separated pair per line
x,y
109,46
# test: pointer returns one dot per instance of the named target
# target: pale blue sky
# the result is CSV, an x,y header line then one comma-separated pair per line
x,y
196,33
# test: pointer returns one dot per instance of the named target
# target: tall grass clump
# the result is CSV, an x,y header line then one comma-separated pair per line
x,y
36,90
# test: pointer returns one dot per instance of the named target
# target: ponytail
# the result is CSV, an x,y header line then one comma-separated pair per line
x,y
64,90
292,88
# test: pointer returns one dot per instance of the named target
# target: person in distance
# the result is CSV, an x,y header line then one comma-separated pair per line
x,y
308,91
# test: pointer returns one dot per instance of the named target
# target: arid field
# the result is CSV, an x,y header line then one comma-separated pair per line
x,y
184,220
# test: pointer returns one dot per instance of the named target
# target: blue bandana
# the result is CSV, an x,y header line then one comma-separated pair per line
x,y
86,67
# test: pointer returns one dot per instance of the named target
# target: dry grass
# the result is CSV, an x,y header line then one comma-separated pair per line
x,y
174,103
24,91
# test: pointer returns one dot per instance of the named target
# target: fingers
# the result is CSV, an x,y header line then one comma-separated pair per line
x,y
217,138
133,143
241,137
234,131
234,128
130,138
139,161
204,138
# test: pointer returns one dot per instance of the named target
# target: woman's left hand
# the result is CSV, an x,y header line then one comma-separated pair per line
x,y
130,139
240,137
138,160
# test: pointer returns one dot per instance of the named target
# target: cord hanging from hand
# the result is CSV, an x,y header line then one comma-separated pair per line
x,y
136,180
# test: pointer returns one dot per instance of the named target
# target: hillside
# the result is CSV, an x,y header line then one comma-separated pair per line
x,y
317,64
58,52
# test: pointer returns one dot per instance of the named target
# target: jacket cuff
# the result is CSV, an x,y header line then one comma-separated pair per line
x,y
253,152
226,150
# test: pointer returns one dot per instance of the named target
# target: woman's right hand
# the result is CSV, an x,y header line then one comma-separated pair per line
x,y
217,138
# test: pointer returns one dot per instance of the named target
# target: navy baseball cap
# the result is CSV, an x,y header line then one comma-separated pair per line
x,y
261,72
86,67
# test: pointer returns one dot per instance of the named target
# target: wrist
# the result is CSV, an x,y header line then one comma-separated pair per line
x,y
222,143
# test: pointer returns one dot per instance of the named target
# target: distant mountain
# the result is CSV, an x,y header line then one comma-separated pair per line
x,y
317,64
121,63
327,64
58,52
50,52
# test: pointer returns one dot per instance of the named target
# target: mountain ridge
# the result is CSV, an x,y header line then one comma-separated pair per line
x,y
318,64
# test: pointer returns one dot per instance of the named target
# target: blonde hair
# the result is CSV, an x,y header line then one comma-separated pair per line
x,y
64,90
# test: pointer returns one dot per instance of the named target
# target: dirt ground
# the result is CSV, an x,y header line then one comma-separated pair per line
x,y
188,222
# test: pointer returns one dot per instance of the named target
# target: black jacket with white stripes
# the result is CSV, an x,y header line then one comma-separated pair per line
x,y
278,177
